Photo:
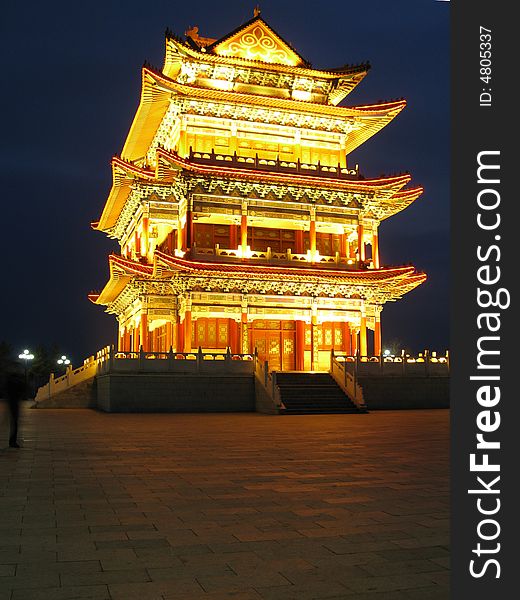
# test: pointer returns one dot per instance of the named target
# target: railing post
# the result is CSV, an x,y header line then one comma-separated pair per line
x,y
448,360
170,359
381,364
266,373
110,359
141,358
427,363
200,358
403,358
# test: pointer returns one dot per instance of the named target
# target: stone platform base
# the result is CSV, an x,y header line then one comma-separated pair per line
x,y
393,392
124,392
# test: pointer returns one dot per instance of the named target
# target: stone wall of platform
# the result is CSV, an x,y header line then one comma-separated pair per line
x,y
154,392
405,392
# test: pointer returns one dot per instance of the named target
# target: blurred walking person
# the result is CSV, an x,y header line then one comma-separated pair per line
x,y
15,392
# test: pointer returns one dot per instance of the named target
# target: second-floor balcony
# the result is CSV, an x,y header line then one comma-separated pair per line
x,y
275,165
286,258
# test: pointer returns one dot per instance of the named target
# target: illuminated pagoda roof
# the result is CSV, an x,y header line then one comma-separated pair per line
x,y
389,200
255,44
158,90
392,283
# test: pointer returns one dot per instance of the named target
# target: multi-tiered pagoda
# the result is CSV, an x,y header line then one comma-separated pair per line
x,y
241,221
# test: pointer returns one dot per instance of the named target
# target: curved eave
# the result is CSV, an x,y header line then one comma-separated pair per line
x,y
389,184
374,119
343,87
176,49
150,112
400,201
410,283
121,272
123,176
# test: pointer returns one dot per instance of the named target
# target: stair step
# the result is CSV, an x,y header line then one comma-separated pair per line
x,y
312,394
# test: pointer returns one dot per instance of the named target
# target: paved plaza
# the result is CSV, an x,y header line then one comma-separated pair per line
x,y
241,506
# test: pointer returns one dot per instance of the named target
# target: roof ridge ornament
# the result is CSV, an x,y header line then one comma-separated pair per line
x,y
256,11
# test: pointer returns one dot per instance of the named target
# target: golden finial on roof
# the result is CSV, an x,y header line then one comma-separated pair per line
x,y
256,11
193,33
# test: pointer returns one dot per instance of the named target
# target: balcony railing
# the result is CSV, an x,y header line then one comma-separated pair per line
x,y
268,256
429,364
275,165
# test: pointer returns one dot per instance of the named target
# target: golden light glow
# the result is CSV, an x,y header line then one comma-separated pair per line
x,y
221,84
301,95
244,252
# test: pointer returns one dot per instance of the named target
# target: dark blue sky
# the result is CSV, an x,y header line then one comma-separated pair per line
x,y
71,85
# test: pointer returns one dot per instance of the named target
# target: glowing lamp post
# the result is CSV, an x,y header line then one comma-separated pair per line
x,y
26,356
63,361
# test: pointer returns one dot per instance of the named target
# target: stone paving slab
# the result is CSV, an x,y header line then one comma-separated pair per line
x,y
232,506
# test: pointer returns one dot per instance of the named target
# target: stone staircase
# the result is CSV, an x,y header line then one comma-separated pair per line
x,y
311,394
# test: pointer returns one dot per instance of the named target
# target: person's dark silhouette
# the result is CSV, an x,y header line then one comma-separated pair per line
x,y
14,392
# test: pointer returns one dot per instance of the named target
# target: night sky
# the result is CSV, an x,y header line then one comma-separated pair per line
x,y
71,85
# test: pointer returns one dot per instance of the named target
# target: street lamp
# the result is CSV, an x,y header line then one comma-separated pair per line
x,y
63,361
26,356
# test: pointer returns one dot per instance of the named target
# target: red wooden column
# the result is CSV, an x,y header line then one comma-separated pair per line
x,y
377,336
143,332
170,243
363,336
300,346
312,235
361,243
375,248
233,237
168,337
180,335
188,228
298,238
347,341
344,246
180,236
135,339
187,331
353,342
182,147
145,237
233,336
243,230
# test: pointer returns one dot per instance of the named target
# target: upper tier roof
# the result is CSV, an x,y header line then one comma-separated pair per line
x,y
158,91
255,45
